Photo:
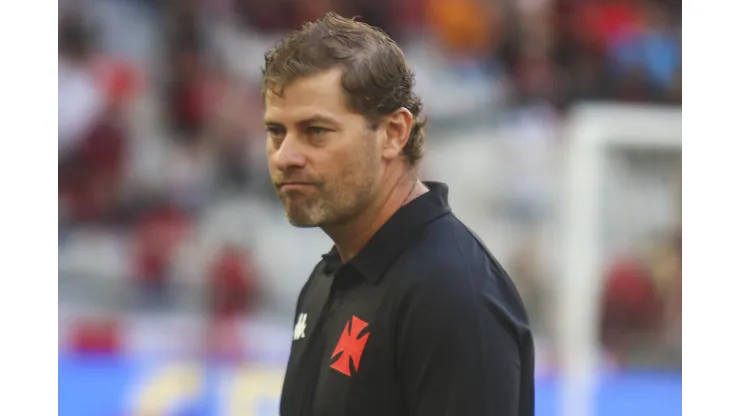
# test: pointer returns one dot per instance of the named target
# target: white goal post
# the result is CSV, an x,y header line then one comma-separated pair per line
x,y
592,132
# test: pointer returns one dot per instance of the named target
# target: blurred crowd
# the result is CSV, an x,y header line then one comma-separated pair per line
x,y
160,121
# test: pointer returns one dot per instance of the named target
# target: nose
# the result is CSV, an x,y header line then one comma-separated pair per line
x,y
288,155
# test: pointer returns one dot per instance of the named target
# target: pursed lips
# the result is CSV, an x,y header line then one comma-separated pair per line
x,y
295,185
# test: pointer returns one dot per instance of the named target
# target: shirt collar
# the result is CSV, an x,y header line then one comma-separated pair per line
x,y
395,235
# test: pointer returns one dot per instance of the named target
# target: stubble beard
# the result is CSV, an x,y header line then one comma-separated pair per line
x,y
309,214
338,203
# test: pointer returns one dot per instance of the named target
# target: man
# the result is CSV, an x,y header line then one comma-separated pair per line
x,y
408,314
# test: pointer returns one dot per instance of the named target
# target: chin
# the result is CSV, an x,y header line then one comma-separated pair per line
x,y
301,220
310,216
302,224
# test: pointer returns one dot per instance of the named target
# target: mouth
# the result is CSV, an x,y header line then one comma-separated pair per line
x,y
295,186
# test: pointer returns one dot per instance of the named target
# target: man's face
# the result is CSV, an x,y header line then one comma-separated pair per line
x,y
325,161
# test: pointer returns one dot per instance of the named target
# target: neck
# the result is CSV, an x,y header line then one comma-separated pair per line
x,y
351,237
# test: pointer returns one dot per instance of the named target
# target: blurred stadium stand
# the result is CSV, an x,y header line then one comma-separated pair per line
x,y
173,249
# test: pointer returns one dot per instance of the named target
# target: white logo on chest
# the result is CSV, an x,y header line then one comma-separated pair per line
x,y
299,331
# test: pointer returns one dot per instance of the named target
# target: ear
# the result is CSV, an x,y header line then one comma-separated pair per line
x,y
397,128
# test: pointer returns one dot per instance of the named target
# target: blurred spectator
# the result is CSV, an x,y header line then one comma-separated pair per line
x,y
376,13
96,336
158,233
269,17
101,162
119,80
233,287
233,283
466,28
80,100
187,103
94,135
601,23
639,310
187,72
648,55
631,306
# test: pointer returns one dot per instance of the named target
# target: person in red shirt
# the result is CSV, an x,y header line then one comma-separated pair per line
x,y
233,283
156,236
639,306
98,162
232,287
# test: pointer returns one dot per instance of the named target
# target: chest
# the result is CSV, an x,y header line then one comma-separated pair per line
x,y
342,357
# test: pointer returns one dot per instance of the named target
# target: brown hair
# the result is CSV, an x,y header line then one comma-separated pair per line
x,y
376,78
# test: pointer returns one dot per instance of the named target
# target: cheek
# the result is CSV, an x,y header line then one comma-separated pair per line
x,y
349,164
358,167
269,151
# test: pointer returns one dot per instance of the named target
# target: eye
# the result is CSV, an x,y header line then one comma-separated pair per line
x,y
316,131
275,132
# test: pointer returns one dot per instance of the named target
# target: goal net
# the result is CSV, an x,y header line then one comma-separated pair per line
x,y
622,183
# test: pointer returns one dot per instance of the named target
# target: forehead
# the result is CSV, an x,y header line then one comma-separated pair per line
x,y
307,97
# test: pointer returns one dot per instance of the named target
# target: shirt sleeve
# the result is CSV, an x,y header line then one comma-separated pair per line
x,y
457,350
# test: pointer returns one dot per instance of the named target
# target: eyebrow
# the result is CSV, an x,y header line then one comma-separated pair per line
x,y
311,120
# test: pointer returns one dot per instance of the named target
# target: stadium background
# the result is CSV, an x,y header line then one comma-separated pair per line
x,y
178,273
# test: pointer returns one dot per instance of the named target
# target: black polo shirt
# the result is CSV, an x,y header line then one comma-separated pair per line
x,y
423,321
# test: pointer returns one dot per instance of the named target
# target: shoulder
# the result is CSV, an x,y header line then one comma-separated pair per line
x,y
447,256
449,267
